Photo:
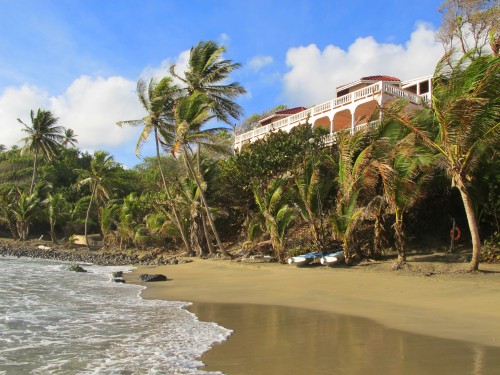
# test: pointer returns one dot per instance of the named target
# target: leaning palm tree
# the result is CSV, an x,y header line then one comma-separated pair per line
x,y
7,217
100,178
44,138
69,138
207,72
191,114
158,100
462,125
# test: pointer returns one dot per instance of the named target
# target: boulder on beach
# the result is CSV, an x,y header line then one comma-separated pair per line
x,y
76,268
117,274
155,277
118,280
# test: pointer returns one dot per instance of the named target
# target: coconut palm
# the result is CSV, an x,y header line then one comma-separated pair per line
x,y
24,209
100,178
2,148
277,214
7,200
158,100
462,126
356,174
69,138
312,188
207,72
44,138
191,114
57,209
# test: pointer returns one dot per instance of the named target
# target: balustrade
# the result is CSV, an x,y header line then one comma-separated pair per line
x,y
332,105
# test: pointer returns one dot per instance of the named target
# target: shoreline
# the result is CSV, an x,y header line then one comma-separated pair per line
x,y
452,310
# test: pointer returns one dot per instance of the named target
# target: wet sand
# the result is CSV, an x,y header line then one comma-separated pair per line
x,y
353,320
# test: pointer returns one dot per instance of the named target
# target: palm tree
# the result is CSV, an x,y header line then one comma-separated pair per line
x,y
191,113
463,124
356,174
158,100
57,209
276,213
2,148
100,178
206,73
25,208
69,138
7,201
44,138
312,188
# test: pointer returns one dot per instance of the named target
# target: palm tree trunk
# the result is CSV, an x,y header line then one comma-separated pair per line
x,y
53,232
169,197
34,173
473,227
211,249
202,195
87,219
210,246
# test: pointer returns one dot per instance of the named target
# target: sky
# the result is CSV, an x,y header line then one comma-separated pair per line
x,y
81,59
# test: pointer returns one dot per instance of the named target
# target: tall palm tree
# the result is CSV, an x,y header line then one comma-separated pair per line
x,y
191,114
69,138
44,138
57,209
100,178
462,125
158,100
207,72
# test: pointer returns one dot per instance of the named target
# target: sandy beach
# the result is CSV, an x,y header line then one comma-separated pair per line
x,y
270,306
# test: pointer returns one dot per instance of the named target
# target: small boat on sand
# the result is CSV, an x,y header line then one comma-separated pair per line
x,y
332,258
304,259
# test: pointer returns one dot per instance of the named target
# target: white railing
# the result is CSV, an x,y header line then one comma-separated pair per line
x,y
396,91
363,93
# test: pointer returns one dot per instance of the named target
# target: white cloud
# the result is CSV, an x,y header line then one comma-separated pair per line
x,y
181,65
90,106
258,62
224,38
17,103
315,74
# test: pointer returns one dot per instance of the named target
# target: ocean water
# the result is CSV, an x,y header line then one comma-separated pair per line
x,y
54,321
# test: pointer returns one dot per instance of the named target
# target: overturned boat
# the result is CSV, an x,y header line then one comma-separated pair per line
x,y
304,259
332,258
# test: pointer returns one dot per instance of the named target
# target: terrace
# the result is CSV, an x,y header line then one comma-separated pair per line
x,y
351,109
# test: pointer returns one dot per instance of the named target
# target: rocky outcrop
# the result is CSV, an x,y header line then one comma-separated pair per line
x,y
37,249
76,268
155,277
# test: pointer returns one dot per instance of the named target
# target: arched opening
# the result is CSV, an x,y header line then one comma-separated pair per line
x,y
322,122
364,112
342,120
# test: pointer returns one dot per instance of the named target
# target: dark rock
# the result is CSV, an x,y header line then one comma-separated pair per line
x,y
76,268
117,274
156,277
118,280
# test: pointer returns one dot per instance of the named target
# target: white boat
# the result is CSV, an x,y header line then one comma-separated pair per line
x,y
332,258
303,260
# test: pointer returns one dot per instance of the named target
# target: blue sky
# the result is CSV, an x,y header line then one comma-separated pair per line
x,y
82,59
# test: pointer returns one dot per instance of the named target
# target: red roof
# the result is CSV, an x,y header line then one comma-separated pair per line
x,y
380,78
283,113
291,111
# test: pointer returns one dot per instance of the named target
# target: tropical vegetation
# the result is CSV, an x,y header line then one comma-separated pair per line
x,y
371,193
